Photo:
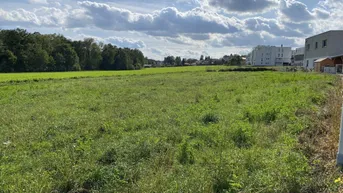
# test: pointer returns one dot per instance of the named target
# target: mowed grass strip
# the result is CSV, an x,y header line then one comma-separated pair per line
x,y
6,77
176,132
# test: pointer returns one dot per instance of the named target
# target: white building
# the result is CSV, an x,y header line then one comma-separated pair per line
x,y
298,56
270,56
324,45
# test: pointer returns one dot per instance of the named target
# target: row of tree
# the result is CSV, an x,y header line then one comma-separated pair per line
x,y
232,60
21,51
173,61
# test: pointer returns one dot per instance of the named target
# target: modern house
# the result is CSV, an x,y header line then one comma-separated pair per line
x,y
270,56
324,50
298,56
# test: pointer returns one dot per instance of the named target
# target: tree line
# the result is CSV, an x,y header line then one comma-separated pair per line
x,y
21,51
231,60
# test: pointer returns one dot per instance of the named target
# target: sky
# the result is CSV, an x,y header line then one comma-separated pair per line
x,y
186,28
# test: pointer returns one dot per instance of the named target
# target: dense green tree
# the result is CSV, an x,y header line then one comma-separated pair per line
x,y
178,61
7,60
66,58
122,61
21,51
236,60
38,60
109,53
95,58
137,58
169,61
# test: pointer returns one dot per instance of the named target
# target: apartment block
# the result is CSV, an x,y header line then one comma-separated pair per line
x,y
270,56
298,56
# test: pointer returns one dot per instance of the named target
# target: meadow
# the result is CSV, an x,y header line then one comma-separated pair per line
x,y
36,76
193,131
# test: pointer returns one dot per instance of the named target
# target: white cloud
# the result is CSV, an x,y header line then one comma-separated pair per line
x,y
168,21
251,39
271,26
125,42
38,1
297,11
117,41
245,5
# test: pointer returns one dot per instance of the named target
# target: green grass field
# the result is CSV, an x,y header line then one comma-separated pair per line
x,y
195,131
6,77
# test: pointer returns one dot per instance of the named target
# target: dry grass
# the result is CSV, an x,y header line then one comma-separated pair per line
x,y
320,143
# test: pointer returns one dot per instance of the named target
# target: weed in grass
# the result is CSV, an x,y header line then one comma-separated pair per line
x,y
242,136
185,154
109,158
209,118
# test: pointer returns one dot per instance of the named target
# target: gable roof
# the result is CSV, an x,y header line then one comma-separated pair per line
x,y
321,59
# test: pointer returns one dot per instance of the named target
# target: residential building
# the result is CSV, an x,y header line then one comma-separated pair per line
x,y
270,56
324,45
298,56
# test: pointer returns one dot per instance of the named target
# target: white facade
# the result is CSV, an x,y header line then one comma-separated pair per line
x,y
270,56
298,56
325,45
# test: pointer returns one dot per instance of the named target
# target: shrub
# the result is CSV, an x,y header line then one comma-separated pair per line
x,y
210,118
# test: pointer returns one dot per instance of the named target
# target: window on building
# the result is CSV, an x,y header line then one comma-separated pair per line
x,y
307,62
316,45
325,42
308,47
279,55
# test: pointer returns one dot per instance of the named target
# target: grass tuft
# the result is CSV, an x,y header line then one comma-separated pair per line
x,y
210,118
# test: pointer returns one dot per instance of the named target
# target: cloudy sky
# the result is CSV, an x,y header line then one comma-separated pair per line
x,y
186,28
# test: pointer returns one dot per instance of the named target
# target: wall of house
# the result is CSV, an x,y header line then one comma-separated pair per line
x,y
333,48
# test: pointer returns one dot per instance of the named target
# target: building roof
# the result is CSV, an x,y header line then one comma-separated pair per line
x,y
325,33
321,59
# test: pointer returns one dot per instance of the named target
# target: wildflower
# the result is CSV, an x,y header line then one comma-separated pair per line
x,y
338,180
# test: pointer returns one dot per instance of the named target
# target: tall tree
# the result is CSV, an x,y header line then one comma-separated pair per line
x,y
7,60
109,53
169,61
66,58
183,61
236,60
122,61
178,61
